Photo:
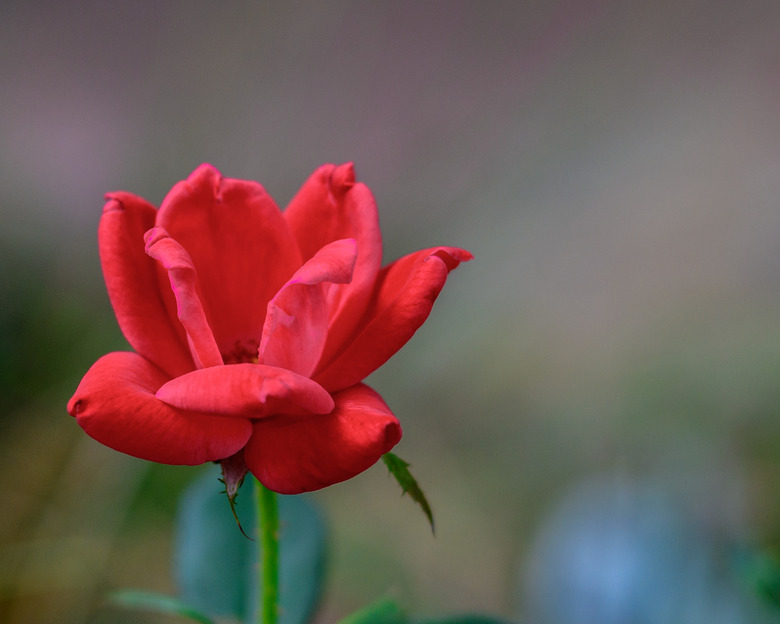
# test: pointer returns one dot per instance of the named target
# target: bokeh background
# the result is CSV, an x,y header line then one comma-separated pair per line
x,y
593,406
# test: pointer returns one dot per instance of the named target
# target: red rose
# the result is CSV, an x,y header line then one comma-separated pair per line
x,y
253,328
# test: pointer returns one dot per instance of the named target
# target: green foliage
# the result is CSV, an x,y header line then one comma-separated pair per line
x,y
387,611
760,572
383,611
400,470
217,567
49,333
150,601
463,619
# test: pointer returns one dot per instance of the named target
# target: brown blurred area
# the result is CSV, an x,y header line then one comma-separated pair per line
x,y
613,167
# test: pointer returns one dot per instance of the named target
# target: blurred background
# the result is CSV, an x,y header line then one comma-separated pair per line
x,y
593,406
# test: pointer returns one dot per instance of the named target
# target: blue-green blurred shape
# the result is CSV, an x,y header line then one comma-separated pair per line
x,y
617,552
217,567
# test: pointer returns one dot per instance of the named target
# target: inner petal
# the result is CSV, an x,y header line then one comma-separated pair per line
x,y
296,324
184,283
330,206
239,245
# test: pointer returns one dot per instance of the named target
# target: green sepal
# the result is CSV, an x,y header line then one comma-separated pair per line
x,y
383,611
400,470
157,603
233,472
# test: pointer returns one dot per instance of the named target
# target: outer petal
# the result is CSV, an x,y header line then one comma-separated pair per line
x,y
240,246
246,390
332,206
296,324
291,454
131,279
184,282
115,404
401,302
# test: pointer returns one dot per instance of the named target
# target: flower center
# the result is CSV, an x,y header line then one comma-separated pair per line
x,y
243,351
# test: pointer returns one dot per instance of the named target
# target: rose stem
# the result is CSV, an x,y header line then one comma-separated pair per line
x,y
268,530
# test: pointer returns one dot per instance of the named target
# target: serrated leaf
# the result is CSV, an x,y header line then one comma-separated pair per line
x,y
400,470
157,603
383,611
217,567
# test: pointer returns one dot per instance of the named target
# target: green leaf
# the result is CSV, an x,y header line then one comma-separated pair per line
x,y
463,619
217,567
383,611
760,573
158,603
400,470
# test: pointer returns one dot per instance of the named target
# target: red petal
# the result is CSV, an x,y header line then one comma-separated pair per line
x,y
131,279
115,404
294,454
332,206
240,246
246,390
296,324
402,300
184,282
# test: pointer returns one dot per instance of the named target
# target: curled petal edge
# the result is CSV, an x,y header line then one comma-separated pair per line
x,y
184,282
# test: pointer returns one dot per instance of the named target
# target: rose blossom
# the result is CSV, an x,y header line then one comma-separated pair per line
x,y
253,328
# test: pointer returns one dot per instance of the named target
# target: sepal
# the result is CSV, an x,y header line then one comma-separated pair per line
x,y
233,472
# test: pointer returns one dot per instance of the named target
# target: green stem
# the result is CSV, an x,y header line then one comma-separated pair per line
x,y
268,542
